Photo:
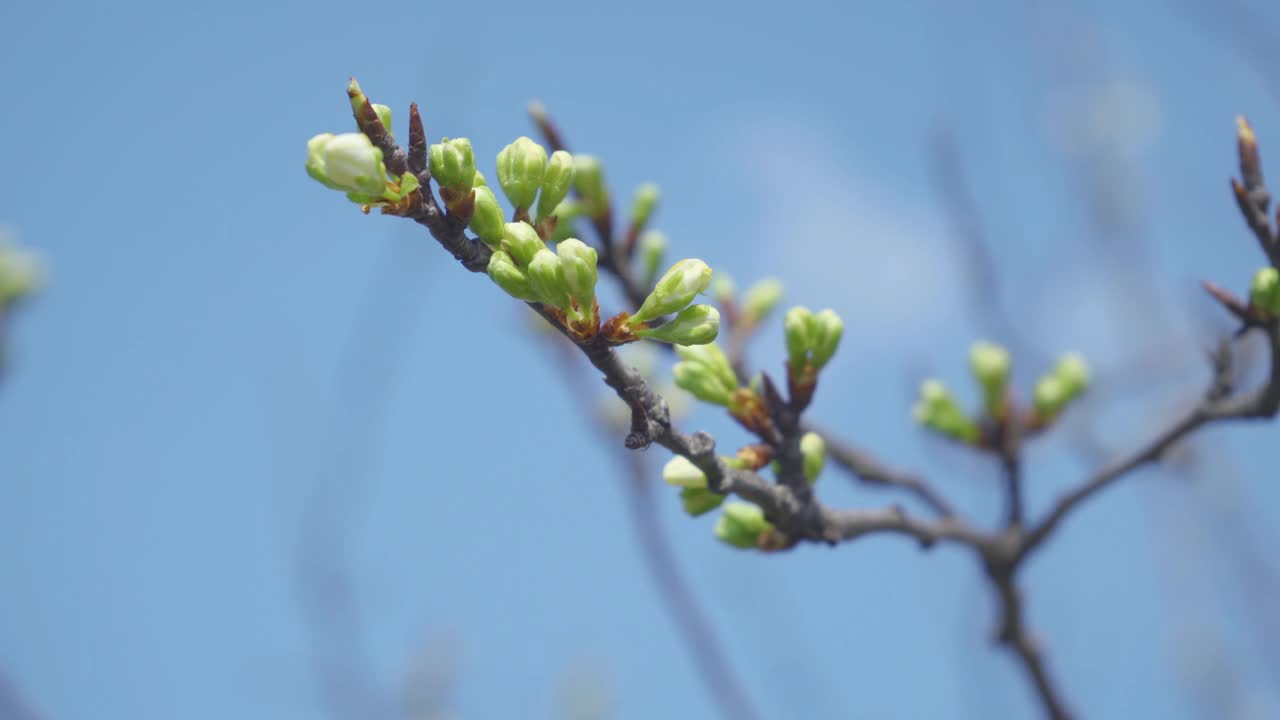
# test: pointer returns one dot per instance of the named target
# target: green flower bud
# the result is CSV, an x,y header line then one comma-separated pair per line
x,y
521,241
761,299
347,162
740,524
681,472
546,278
453,164
675,290
504,273
695,325
937,410
827,331
702,382
653,246
800,327
384,115
713,358
699,501
588,179
580,274
990,364
1265,291
488,220
566,212
1049,397
479,181
556,184
724,288
521,166
1073,372
643,204
20,272
814,450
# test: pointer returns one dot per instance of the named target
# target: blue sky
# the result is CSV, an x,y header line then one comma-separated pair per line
x,y
225,350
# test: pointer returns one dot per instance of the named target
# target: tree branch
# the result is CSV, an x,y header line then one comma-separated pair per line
x,y
869,471
1216,405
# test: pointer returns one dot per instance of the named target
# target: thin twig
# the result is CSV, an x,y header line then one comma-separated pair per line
x,y
1218,404
870,471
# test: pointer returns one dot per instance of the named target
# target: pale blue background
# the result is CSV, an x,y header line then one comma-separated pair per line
x,y
223,341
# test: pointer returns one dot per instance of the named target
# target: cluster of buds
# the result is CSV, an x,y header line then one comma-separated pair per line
x,y
350,163
673,293
564,279
812,339
20,273
452,163
1055,391
527,175
695,497
1264,293
938,410
704,372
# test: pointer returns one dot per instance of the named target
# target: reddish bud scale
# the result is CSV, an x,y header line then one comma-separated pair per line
x,y
617,331
460,207
755,457
800,386
749,410
417,142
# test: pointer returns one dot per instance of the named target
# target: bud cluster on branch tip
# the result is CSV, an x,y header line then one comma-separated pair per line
x,y
990,364
528,270
453,164
673,292
1069,379
653,248
811,338
521,168
704,372
937,410
588,180
20,272
1264,292
643,204
741,524
760,300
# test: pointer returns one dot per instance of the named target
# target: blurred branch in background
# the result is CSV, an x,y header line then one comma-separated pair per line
x,y
370,361
13,706
692,625
1100,121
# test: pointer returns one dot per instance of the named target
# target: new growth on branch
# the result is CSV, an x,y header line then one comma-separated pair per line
x,y
553,195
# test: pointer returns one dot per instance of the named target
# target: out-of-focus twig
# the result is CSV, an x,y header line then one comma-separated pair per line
x,y
13,706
